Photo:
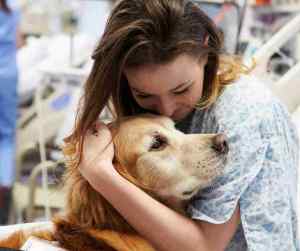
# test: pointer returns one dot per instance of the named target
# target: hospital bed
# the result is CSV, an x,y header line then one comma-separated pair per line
x,y
287,88
39,123
51,70
37,128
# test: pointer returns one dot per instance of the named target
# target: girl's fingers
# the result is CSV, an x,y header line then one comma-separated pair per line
x,y
98,143
97,128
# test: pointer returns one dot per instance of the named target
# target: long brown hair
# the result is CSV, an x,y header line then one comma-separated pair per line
x,y
141,32
4,6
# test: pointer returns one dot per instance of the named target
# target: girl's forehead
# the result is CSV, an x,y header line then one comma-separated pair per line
x,y
181,70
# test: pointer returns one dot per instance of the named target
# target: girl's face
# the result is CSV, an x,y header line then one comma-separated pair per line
x,y
171,89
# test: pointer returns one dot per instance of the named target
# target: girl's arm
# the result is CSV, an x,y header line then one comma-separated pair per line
x,y
166,229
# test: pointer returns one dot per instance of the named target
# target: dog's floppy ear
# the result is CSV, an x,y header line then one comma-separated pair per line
x,y
122,170
113,128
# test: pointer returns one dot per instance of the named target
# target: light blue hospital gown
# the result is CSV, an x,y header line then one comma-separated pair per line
x,y
261,171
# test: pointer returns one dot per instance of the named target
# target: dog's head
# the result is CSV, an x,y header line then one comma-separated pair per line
x,y
156,156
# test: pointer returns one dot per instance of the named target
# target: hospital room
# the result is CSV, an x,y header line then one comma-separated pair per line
x,y
143,125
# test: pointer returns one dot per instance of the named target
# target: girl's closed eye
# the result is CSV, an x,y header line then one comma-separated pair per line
x,y
181,91
140,95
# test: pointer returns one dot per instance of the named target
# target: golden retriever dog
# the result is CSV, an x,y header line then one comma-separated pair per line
x,y
151,153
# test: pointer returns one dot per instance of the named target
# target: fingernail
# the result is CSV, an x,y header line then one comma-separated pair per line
x,y
94,130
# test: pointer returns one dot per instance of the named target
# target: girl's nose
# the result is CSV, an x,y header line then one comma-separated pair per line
x,y
166,108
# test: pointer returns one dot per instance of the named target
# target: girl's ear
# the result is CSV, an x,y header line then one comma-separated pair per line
x,y
203,60
206,40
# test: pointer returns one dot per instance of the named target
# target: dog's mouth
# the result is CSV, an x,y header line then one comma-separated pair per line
x,y
219,165
188,192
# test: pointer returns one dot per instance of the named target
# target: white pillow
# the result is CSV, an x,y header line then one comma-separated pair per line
x,y
35,244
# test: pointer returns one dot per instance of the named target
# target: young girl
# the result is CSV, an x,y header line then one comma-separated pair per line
x,y
165,57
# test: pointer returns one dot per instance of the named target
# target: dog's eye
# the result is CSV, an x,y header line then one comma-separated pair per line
x,y
159,142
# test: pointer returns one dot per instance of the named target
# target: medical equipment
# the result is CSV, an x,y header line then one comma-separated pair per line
x,y
228,16
287,88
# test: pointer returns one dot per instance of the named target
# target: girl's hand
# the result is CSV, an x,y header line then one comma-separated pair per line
x,y
97,156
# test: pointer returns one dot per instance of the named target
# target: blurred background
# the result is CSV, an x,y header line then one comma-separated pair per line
x,y
55,43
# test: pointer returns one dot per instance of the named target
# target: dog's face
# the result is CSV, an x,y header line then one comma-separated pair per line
x,y
169,162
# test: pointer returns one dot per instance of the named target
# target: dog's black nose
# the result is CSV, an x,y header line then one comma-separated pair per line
x,y
220,144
